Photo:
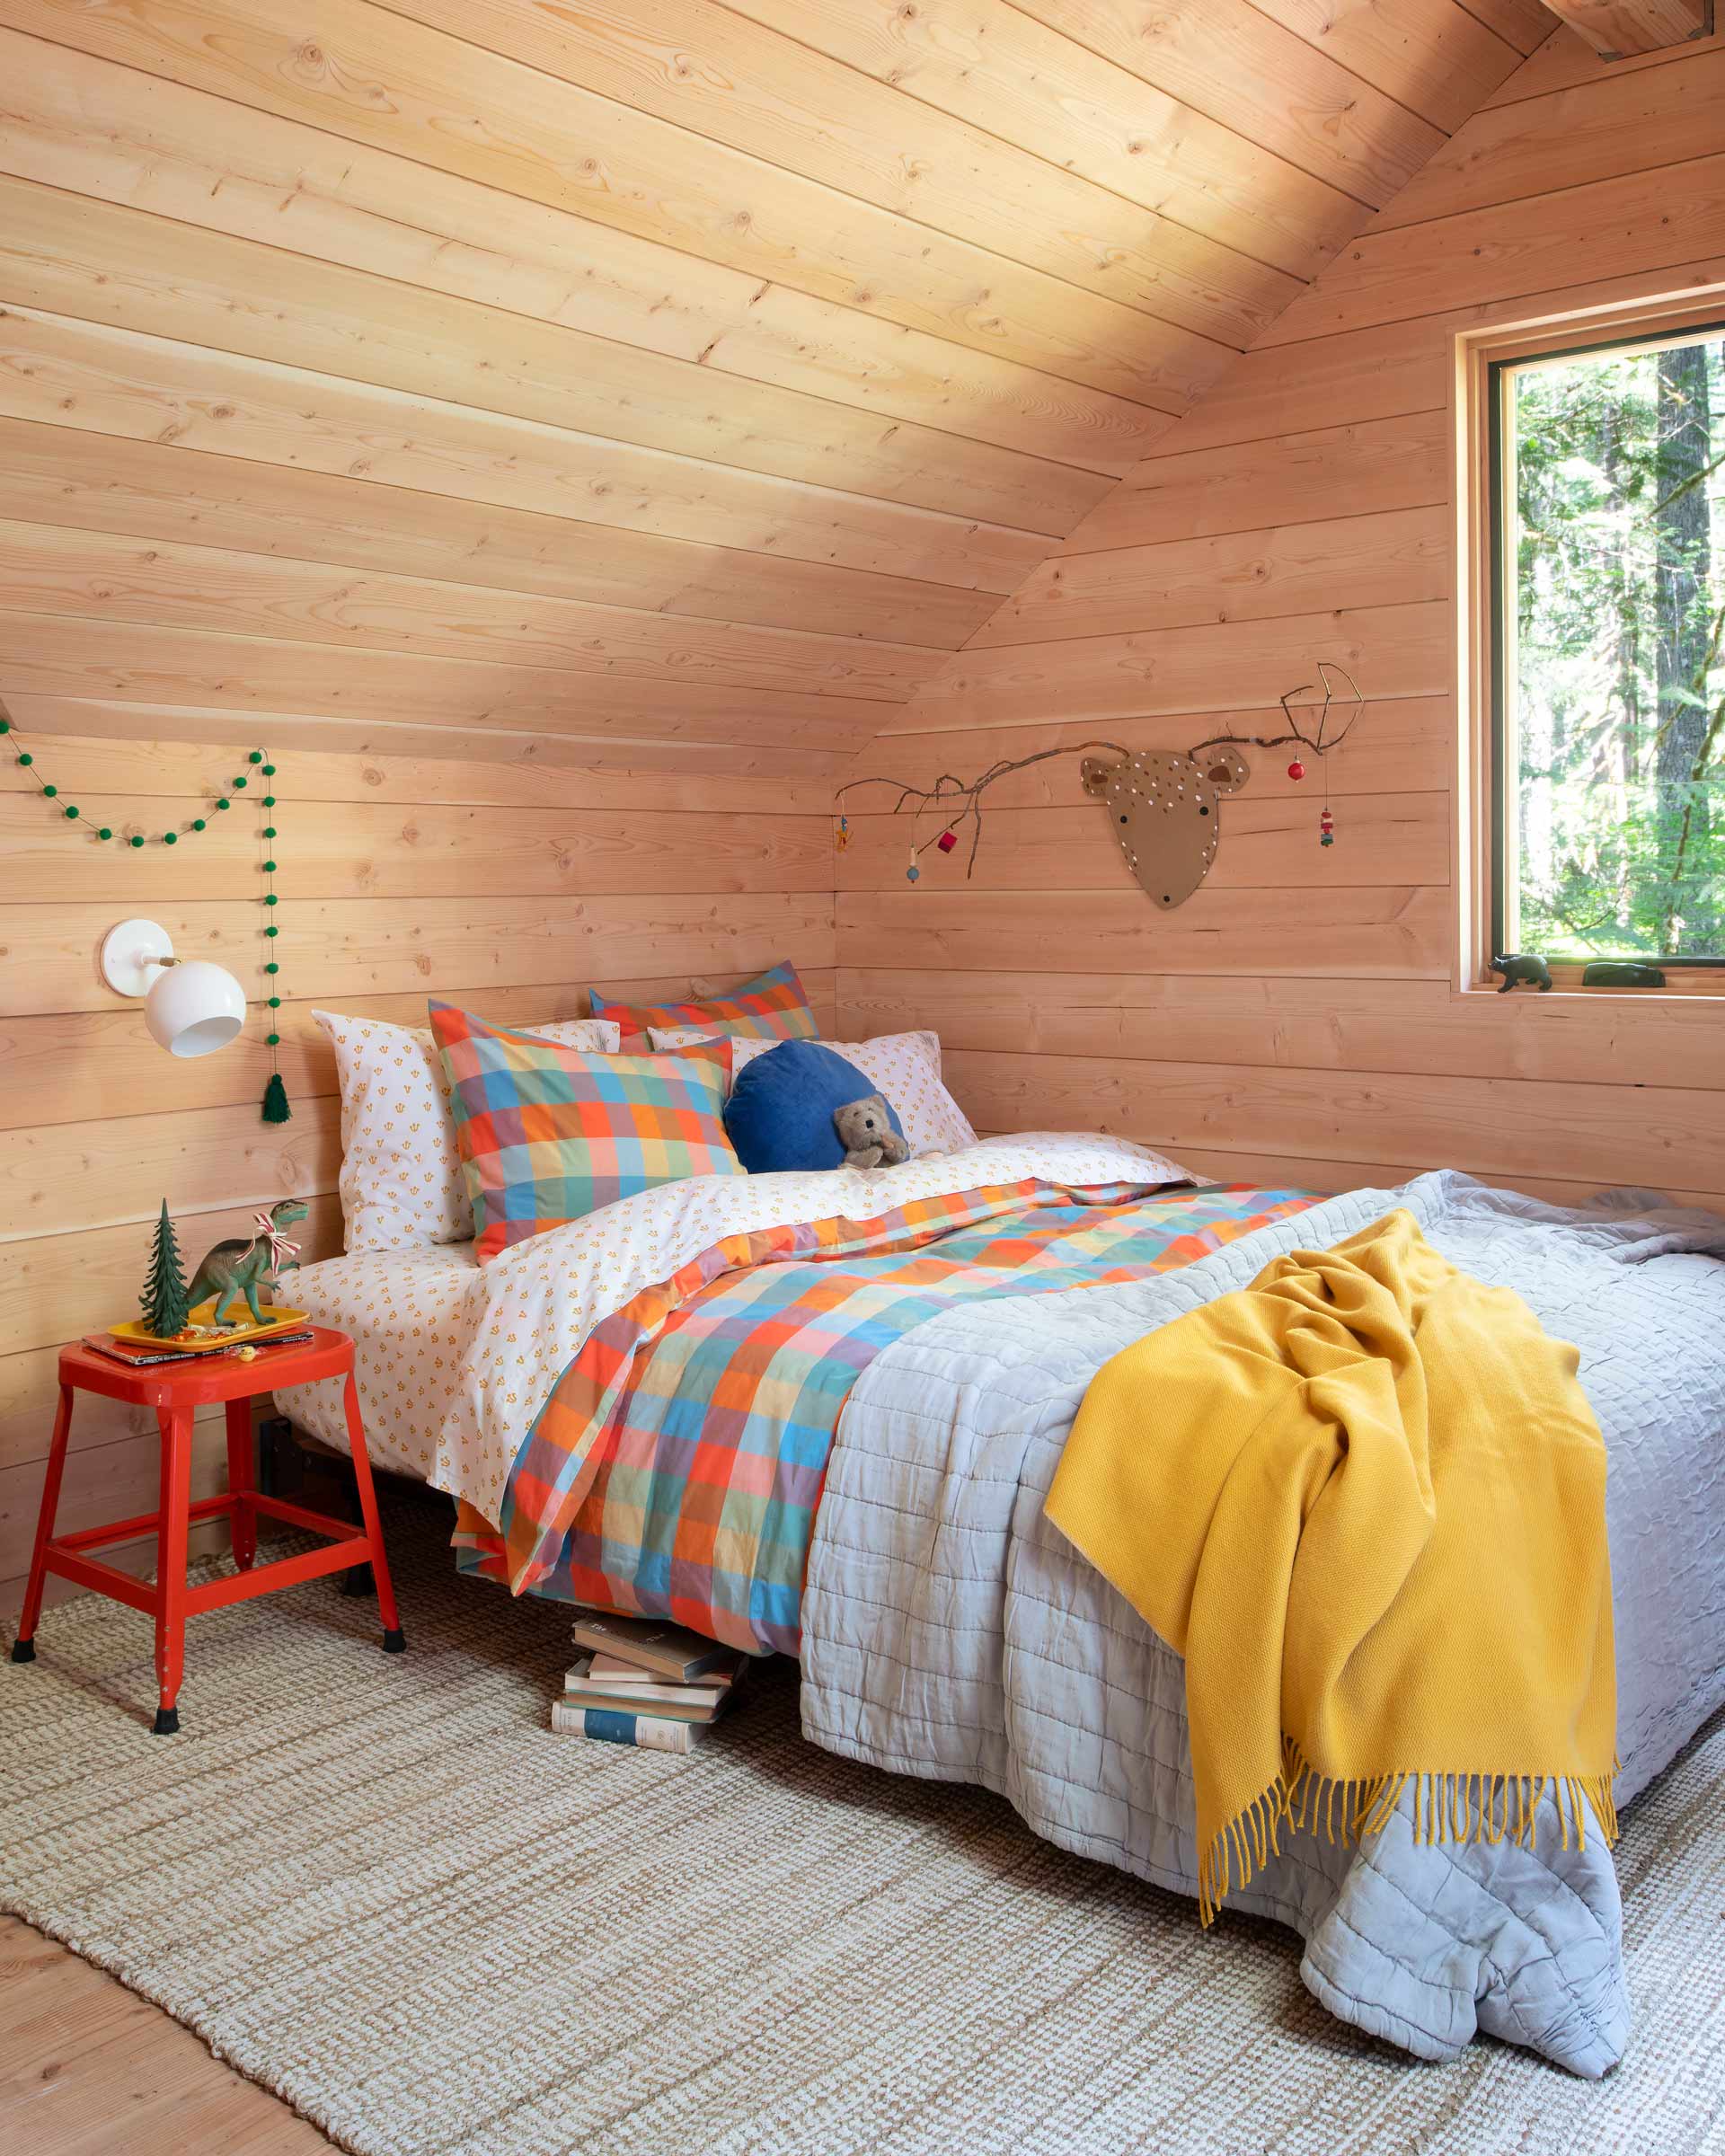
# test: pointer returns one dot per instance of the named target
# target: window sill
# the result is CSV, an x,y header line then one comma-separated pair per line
x,y
1708,989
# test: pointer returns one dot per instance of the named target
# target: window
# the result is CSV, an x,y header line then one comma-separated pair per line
x,y
1608,569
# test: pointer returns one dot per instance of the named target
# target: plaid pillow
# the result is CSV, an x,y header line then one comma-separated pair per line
x,y
549,1134
401,1181
771,1007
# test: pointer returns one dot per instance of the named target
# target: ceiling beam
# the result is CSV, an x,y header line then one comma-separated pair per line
x,y
1618,29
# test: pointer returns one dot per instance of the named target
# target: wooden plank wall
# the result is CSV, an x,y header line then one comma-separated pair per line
x,y
1294,1021
669,370
507,883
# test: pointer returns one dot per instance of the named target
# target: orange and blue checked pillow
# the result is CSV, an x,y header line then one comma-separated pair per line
x,y
678,1466
771,1007
549,1134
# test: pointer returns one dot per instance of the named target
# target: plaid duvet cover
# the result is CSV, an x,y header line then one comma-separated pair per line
x,y
676,1467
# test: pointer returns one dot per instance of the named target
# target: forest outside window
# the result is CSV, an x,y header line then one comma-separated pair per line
x,y
1609,562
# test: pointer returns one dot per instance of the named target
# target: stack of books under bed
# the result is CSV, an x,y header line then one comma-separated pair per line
x,y
641,1680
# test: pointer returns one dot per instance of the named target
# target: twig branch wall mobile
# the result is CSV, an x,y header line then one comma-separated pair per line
x,y
947,789
1180,790
78,826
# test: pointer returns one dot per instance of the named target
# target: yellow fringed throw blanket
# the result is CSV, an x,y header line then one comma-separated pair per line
x,y
1365,1499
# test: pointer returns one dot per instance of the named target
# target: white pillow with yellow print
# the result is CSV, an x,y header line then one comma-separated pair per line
x,y
402,1182
904,1066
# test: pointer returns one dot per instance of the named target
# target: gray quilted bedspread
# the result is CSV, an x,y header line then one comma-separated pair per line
x,y
950,1632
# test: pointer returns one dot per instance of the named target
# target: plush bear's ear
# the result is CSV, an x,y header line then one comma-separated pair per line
x,y
1096,775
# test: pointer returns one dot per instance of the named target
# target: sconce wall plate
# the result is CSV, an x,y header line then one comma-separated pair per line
x,y
133,954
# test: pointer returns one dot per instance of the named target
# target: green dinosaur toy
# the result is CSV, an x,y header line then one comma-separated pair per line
x,y
234,1268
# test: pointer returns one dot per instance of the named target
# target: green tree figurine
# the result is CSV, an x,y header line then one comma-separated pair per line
x,y
163,1300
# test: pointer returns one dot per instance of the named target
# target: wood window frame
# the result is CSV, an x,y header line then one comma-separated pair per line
x,y
1482,510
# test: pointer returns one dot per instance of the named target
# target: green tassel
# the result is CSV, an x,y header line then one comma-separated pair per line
x,y
275,1101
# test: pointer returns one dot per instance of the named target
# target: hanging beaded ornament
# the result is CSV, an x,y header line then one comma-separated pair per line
x,y
1319,742
945,793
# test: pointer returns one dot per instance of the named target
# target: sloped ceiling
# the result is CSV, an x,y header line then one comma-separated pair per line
x,y
636,371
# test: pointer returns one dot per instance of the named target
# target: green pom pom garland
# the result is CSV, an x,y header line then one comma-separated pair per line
x,y
276,1108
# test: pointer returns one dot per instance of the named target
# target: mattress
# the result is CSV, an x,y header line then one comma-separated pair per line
x,y
411,1314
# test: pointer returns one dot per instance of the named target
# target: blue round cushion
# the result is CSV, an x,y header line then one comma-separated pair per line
x,y
779,1113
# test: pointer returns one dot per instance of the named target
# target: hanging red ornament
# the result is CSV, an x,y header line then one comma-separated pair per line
x,y
1296,769
947,841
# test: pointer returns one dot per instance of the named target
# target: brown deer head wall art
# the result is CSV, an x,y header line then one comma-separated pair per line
x,y
1164,808
1166,813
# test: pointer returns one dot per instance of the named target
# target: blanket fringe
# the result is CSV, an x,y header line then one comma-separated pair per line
x,y
1459,1809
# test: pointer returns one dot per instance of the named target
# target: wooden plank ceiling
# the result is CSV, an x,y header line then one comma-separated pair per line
x,y
638,371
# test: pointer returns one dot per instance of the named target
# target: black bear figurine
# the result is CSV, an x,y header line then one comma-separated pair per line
x,y
1522,966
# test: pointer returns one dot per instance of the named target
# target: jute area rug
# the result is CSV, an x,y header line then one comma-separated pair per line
x,y
381,1887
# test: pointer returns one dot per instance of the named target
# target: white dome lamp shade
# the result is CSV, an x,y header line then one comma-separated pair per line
x,y
190,1006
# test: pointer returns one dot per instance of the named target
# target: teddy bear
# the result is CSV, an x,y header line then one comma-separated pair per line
x,y
865,1131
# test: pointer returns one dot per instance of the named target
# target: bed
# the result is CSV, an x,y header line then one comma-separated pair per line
x,y
816,1414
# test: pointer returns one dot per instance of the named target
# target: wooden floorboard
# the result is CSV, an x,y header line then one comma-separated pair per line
x,y
87,2066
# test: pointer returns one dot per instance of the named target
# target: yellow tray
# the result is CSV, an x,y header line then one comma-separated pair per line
x,y
282,1320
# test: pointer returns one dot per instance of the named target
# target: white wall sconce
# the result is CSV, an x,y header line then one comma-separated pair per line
x,y
190,1006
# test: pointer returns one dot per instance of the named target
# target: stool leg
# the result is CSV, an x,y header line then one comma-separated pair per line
x,y
23,1647
171,1531
357,1580
393,1642
242,1521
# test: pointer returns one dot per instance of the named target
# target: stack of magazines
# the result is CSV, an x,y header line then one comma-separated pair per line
x,y
641,1681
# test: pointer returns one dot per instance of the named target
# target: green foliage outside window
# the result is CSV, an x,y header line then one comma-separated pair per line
x,y
1615,680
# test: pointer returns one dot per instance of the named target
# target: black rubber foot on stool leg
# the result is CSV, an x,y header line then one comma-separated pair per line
x,y
167,1722
357,1580
395,1642
23,1650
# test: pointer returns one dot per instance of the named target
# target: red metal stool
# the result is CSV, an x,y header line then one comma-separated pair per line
x,y
174,1390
